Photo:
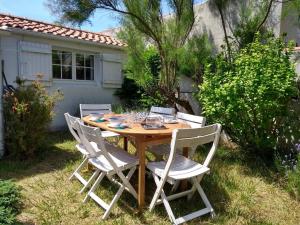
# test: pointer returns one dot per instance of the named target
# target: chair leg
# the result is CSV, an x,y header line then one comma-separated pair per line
x,y
126,182
164,199
156,194
194,188
202,194
95,185
175,186
118,195
82,164
89,182
115,199
167,206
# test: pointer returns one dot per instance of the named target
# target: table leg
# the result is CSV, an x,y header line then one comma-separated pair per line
x,y
185,153
125,143
140,145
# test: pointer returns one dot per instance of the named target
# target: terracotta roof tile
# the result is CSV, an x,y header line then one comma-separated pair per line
x,y
46,28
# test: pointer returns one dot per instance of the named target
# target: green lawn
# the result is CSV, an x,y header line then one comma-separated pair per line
x,y
242,191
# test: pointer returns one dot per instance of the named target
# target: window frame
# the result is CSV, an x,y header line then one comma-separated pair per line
x,y
74,66
61,65
91,67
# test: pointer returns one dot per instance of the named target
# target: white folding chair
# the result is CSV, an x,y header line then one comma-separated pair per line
x,y
162,111
162,150
194,121
87,109
180,168
71,121
109,161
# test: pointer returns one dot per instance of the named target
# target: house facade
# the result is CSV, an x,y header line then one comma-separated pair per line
x,y
85,66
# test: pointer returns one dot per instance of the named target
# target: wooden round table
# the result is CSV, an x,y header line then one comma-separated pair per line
x,y
142,138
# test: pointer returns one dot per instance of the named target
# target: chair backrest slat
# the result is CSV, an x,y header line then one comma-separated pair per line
x,y
195,141
93,134
86,109
192,120
196,132
71,120
162,111
192,137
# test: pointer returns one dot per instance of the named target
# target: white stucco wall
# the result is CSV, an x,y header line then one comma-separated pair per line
x,y
208,20
75,92
290,26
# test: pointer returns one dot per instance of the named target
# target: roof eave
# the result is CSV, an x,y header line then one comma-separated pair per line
x,y
56,37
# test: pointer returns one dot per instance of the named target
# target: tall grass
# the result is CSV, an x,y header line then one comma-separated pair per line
x,y
241,189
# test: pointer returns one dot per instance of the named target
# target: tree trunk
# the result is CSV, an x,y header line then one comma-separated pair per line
x,y
225,32
173,99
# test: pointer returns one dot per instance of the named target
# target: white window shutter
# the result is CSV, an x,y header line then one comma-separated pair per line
x,y
35,59
112,71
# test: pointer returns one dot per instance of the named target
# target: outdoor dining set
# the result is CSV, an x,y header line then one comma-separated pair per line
x,y
171,138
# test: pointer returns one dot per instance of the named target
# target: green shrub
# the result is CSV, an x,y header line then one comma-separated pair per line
x,y
140,88
130,93
9,202
251,95
27,112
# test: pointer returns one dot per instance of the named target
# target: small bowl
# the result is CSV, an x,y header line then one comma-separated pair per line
x,y
115,123
96,116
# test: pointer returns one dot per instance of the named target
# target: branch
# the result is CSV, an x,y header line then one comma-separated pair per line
x,y
266,16
112,7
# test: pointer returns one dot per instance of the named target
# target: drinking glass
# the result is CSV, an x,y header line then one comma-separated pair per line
x,y
154,121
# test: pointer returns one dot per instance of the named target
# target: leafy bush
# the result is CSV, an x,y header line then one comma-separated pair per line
x,y
140,88
130,93
27,112
9,202
251,95
194,56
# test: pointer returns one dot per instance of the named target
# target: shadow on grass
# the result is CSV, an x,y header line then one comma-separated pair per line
x,y
57,153
250,164
213,184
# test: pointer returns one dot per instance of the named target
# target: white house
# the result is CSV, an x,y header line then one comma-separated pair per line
x,y
85,66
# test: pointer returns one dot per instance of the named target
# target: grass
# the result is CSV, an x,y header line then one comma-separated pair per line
x,y
242,191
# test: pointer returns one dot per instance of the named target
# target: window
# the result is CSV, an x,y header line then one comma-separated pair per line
x,y
68,65
62,64
84,67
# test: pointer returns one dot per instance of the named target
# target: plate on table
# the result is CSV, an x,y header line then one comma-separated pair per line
x,y
96,116
117,126
115,118
99,120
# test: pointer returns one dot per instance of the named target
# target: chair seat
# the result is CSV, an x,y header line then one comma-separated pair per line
x,y
181,168
107,133
82,149
121,158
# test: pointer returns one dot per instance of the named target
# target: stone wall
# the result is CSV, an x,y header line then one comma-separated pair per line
x,y
208,20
